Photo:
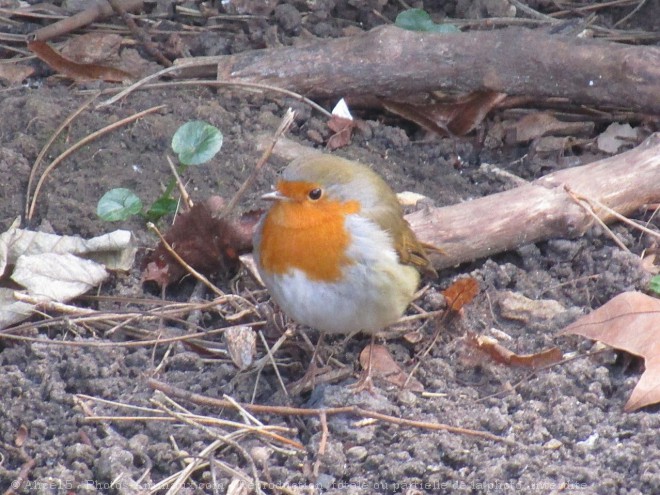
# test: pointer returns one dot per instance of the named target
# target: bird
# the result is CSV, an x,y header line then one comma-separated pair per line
x,y
334,250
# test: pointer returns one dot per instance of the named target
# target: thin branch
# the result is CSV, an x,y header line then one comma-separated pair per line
x,y
86,140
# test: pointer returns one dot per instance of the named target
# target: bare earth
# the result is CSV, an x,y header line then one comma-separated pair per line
x,y
566,429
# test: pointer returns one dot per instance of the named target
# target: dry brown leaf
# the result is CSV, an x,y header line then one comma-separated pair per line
x,y
500,354
92,48
629,322
457,117
15,73
384,366
210,245
461,292
535,125
343,132
73,69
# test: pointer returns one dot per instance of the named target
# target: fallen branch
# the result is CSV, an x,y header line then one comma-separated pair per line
x,y
298,411
542,209
391,62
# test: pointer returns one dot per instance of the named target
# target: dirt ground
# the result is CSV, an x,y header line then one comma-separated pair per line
x,y
565,428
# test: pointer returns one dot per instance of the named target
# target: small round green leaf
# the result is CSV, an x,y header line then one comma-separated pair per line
x,y
196,142
654,284
118,204
420,20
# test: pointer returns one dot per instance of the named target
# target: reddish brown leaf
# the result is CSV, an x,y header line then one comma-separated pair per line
x,y
210,245
449,118
384,366
75,70
343,132
92,48
630,322
500,354
461,292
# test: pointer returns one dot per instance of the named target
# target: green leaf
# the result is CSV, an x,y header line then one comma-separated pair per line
x,y
420,20
654,284
196,142
161,207
118,204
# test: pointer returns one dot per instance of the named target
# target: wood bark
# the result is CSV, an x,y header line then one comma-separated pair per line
x,y
542,209
392,62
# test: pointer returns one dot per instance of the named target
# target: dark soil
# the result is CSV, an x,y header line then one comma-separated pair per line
x,y
566,426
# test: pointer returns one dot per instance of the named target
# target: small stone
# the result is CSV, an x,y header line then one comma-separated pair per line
x,y
552,444
357,453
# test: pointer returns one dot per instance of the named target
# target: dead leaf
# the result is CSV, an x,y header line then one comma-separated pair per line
x,y
73,69
538,124
11,310
242,345
515,306
116,250
629,322
461,292
615,136
500,354
343,132
384,366
57,277
21,436
342,124
456,117
210,245
55,267
409,198
15,73
92,48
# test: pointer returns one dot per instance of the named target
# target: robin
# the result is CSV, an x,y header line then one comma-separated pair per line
x,y
334,250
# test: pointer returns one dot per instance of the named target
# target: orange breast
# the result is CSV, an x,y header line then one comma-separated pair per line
x,y
308,236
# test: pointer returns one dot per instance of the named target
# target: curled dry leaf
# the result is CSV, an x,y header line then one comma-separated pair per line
x,y
461,292
343,132
15,73
616,136
456,117
629,322
73,69
242,345
116,250
500,354
21,436
57,277
537,124
208,244
57,268
90,48
384,366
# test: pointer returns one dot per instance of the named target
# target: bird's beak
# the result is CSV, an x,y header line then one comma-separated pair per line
x,y
273,196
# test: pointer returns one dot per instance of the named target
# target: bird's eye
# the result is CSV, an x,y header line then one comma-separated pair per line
x,y
315,194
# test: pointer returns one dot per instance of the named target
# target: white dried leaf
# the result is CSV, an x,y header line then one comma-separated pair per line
x,y
341,110
58,277
409,198
615,136
11,310
251,265
242,345
117,249
238,486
